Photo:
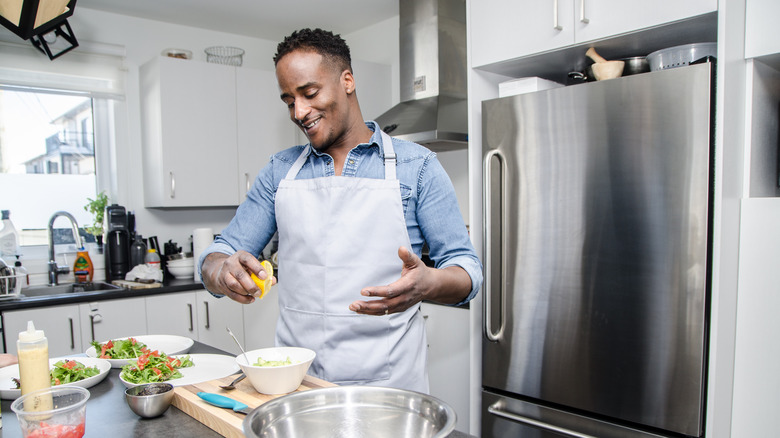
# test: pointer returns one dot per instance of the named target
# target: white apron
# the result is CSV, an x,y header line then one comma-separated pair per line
x,y
338,235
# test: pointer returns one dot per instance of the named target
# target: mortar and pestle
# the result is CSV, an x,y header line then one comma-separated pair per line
x,y
603,69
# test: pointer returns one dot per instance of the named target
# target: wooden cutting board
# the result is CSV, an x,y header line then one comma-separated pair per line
x,y
224,421
135,285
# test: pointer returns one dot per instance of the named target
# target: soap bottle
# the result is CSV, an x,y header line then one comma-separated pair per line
x,y
82,267
22,276
9,237
32,350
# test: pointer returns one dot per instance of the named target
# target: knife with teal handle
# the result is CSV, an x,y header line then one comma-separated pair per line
x,y
224,402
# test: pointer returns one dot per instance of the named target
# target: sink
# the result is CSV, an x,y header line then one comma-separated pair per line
x,y
61,289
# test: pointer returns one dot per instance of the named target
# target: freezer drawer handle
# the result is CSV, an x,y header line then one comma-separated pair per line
x,y
497,411
494,336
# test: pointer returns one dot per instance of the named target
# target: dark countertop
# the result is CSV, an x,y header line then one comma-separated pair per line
x,y
168,286
109,416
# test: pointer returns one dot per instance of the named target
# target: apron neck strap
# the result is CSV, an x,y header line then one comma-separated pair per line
x,y
387,146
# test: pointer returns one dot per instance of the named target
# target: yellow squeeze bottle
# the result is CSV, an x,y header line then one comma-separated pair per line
x,y
32,348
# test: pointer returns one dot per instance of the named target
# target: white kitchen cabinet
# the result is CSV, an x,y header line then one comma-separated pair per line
x,y
111,319
447,329
260,321
760,31
197,315
506,29
60,324
207,131
172,314
263,124
215,315
189,133
757,355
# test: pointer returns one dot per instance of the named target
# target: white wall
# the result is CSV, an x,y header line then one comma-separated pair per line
x,y
145,39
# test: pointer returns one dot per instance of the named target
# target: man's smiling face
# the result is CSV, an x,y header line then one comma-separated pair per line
x,y
316,95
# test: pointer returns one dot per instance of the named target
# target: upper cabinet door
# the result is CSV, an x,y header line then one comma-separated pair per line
x,y
189,133
507,29
761,39
595,19
264,127
501,30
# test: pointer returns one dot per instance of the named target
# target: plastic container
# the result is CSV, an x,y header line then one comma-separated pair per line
x,y
32,349
67,417
680,56
9,237
153,259
137,252
83,270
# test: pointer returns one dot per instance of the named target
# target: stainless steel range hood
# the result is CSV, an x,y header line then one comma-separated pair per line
x,y
432,41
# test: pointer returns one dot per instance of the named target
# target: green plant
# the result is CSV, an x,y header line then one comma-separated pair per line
x,y
96,207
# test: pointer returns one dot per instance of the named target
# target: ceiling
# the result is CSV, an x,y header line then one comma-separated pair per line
x,y
266,19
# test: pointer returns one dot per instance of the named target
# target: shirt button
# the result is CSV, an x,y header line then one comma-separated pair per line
x,y
351,161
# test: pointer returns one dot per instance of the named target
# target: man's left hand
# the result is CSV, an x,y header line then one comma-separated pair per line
x,y
416,281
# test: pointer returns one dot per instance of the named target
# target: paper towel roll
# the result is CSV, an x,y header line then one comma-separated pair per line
x,y
201,239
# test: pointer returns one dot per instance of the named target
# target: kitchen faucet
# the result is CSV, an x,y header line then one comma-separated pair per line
x,y
55,270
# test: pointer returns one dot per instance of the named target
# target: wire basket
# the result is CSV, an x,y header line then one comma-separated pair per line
x,y
225,55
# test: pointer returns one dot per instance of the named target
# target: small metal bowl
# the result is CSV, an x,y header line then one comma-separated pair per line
x,y
150,400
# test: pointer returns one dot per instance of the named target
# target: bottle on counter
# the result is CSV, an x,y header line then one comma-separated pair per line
x,y
82,267
9,237
32,349
153,259
22,276
137,251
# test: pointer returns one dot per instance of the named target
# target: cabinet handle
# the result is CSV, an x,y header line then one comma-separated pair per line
x,y
189,306
556,25
92,320
246,181
173,185
582,13
207,313
72,338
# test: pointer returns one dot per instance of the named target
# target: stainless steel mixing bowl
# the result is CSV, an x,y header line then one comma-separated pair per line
x,y
353,412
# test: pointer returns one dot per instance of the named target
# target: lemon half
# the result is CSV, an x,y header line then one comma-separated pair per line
x,y
264,285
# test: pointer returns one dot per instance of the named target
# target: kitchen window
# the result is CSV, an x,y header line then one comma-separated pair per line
x,y
57,139
47,158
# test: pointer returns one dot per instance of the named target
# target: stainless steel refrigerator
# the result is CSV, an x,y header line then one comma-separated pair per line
x,y
597,257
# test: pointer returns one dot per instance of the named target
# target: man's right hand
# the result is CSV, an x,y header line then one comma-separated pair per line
x,y
230,275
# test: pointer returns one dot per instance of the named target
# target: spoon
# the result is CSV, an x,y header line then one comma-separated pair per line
x,y
238,343
233,383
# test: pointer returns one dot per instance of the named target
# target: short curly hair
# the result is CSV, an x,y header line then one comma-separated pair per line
x,y
331,46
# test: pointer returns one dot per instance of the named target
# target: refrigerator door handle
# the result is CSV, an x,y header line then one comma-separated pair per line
x,y
491,335
496,409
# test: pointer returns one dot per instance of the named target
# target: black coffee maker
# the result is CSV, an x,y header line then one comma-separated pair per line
x,y
117,253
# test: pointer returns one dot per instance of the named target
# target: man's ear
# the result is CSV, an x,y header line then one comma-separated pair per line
x,y
348,81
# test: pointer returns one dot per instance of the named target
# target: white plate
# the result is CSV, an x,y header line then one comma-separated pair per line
x,y
8,389
206,367
168,344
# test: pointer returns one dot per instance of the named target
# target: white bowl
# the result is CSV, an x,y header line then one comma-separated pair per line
x,y
280,379
182,271
188,261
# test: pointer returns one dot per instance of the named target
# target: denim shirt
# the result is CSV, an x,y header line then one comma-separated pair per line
x,y
428,197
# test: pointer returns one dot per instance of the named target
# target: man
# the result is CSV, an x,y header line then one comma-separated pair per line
x,y
352,209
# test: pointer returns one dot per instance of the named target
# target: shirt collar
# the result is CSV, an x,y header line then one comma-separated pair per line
x,y
375,140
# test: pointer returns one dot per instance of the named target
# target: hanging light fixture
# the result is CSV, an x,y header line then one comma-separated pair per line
x,y
43,22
